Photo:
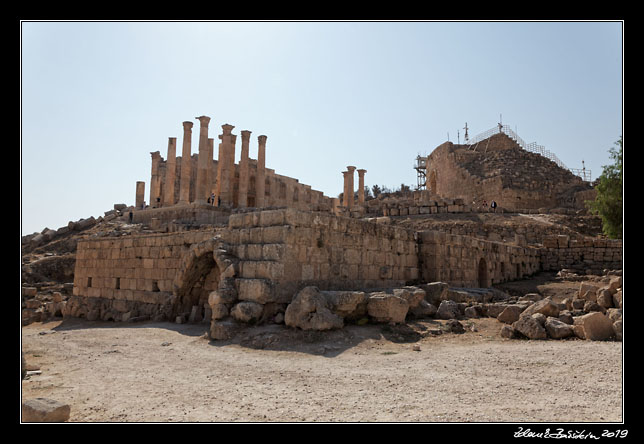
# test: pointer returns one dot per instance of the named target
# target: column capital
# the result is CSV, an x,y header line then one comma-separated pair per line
x,y
361,171
187,125
261,139
227,129
204,120
351,169
172,139
245,134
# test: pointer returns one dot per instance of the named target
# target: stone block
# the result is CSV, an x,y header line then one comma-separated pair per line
x,y
255,290
44,410
596,326
383,307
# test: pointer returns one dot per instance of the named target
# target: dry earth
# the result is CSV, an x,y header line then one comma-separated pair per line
x,y
164,372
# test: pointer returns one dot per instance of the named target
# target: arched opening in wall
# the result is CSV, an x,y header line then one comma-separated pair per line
x,y
483,274
201,277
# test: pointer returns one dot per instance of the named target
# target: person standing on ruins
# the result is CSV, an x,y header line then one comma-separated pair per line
x,y
493,206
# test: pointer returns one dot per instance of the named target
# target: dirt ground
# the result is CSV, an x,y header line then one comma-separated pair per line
x,y
164,372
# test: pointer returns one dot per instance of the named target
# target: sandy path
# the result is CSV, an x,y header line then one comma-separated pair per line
x,y
158,372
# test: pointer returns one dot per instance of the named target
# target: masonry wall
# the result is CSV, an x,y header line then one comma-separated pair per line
x,y
581,255
282,251
120,278
470,262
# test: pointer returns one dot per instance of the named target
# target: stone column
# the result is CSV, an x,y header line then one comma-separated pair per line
x,y
139,200
186,155
202,164
260,179
244,175
155,180
345,192
170,172
224,173
361,186
209,171
351,169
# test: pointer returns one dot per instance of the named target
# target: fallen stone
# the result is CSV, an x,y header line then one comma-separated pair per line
x,y
544,306
605,297
617,328
448,310
530,327
423,310
557,329
309,311
247,311
596,326
44,410
587,291
455,327
435,292
507,332
346,304
510,314
383,307
591,306
617,299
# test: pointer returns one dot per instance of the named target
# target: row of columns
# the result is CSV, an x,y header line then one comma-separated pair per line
x,y
223,190
348,200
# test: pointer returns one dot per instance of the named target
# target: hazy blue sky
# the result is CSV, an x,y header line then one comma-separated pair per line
x,y
98,97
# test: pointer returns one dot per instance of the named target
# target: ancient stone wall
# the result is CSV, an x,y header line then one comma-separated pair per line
x,y
469,262
294,249
130,276
581,255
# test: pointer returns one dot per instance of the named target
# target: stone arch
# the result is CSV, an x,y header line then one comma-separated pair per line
x,y
483,275
207,266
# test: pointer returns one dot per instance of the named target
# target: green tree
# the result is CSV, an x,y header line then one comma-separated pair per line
x,y
608,203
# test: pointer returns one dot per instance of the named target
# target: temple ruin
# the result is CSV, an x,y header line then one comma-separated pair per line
x,y
232,244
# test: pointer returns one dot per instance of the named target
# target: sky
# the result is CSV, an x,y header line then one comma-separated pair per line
x,y
98,97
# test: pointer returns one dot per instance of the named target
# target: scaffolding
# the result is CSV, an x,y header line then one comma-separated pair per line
x,y
421,172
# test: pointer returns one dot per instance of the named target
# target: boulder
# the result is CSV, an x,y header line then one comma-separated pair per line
x,y
595,326
530,327
435,292
413,295
44,410
247,311
605,297
544,306
423,310
384,307
590,306
309,310
557,329
448,310
617,328
346,304
588,291
494,310
507,332
455,327
475,311
566,317
510,314
617,299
